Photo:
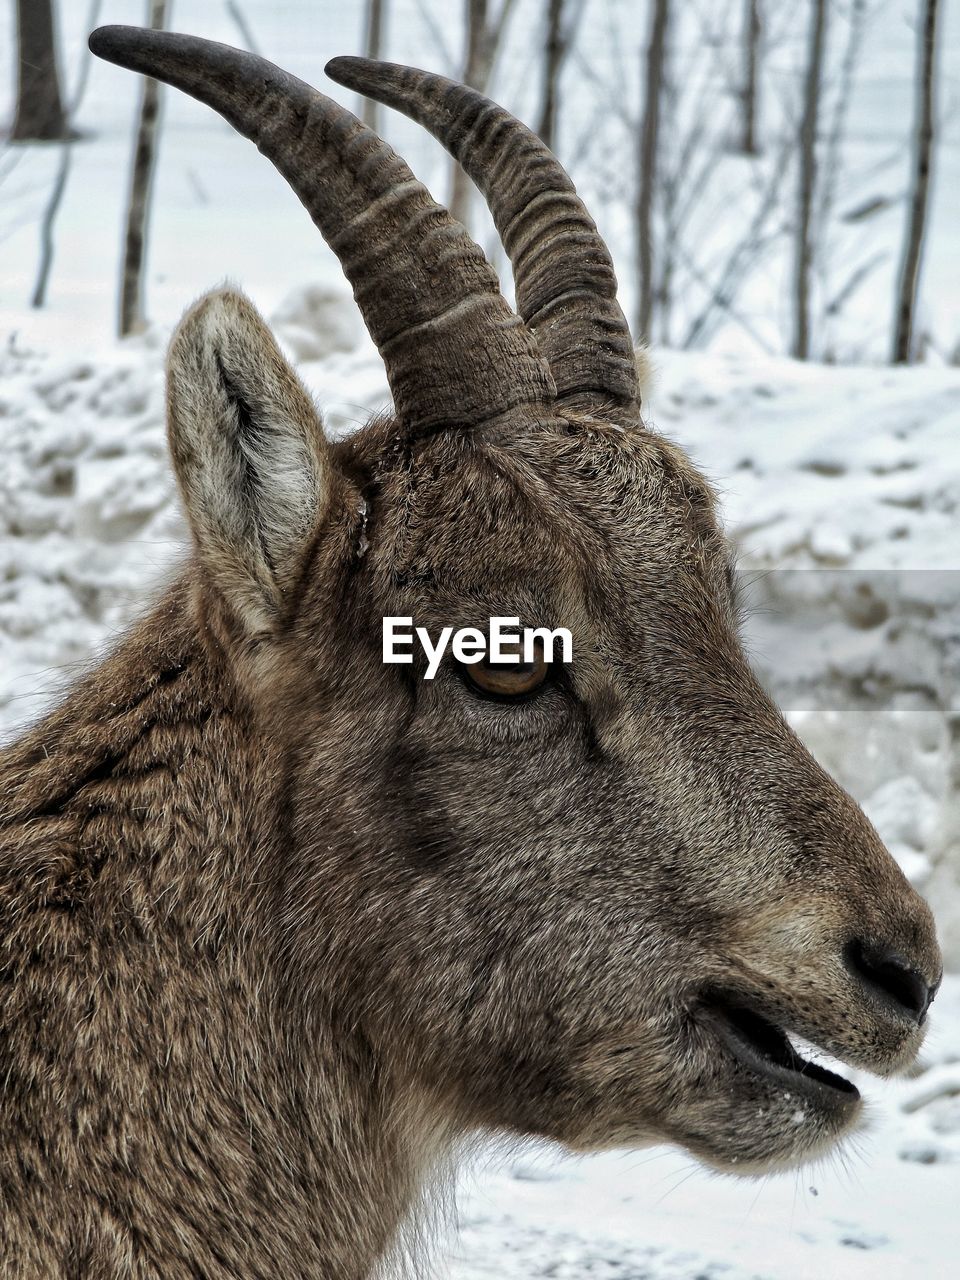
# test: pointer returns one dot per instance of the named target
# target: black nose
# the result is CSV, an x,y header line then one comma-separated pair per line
x,y
882,970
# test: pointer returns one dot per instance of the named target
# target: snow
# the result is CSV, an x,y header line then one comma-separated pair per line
x,y
883,1208
840,486
207,176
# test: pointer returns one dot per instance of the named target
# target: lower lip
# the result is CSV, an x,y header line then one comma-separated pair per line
x,y
822,1092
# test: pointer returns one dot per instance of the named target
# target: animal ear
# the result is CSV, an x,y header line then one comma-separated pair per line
x,y
249,453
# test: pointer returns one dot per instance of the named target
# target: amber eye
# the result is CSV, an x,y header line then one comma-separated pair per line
x,y
517,679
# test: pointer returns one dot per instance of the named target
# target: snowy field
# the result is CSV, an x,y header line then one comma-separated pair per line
x,y
840,485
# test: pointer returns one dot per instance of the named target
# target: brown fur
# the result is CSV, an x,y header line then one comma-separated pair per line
x,y
280,925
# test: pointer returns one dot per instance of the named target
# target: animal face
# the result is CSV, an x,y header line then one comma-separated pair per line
x,y
592,912
588,906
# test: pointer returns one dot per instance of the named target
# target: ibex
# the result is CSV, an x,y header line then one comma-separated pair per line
x,y
284,926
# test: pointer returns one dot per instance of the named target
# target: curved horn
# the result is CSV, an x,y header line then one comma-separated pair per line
x,y
566,287
455,353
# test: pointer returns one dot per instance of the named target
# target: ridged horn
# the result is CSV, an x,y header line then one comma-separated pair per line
x,y
565,282
455,353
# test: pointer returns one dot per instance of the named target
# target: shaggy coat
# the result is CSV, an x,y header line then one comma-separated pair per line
x,y
282,926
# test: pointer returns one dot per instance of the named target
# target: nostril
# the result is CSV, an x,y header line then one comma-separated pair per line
x,y
884,970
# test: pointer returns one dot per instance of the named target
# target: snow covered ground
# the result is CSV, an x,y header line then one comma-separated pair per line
x,y
841,486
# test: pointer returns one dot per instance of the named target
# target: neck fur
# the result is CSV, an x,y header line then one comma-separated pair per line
x,y
141,828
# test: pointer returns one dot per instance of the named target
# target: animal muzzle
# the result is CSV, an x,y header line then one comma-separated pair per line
x,y
860,994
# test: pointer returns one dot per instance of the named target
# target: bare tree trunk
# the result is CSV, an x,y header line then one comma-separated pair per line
x,y
557,45
803,255
553,59
132,318
40,116
48,221
751,68
373,44
647,163
903,339
484,35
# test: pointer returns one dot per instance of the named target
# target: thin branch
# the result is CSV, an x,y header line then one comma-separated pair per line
x,y
719,299
613,103
833,149
745,252
856,279
435,31
47,242
243,26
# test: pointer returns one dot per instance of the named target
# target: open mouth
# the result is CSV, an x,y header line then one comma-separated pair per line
x,y
765,1048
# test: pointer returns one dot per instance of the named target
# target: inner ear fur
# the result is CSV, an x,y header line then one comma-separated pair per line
x,y
249,452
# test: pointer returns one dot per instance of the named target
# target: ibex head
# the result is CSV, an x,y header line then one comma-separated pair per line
x,y
586,901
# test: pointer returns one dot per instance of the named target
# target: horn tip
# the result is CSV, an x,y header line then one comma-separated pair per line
x,y
351,72
110,42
